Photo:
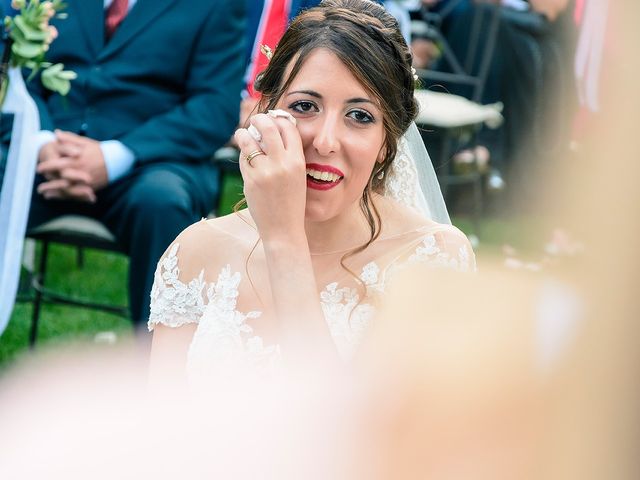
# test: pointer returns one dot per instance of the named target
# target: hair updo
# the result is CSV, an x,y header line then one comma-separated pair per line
x,y
368,41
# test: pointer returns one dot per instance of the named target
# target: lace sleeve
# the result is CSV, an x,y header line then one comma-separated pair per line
x,y
178,295
446,248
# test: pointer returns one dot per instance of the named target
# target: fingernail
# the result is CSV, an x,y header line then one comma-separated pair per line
x,y
255,134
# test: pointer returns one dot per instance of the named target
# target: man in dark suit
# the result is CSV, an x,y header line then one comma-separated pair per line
x,y
158,91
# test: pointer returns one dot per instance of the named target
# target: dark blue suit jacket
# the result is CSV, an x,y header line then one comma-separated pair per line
x,y
167,84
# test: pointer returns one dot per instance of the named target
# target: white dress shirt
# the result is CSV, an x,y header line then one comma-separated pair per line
x,y
118,159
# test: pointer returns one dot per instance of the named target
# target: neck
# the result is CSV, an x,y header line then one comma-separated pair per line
x,y
347,231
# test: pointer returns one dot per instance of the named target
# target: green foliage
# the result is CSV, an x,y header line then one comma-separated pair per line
x,y
31,36
56,79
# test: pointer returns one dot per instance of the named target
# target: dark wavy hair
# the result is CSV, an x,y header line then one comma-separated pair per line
x,y
368,41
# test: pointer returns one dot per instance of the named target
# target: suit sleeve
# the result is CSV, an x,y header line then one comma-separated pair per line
x,y
204,122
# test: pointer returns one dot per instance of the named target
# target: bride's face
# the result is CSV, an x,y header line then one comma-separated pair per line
x,y
342,132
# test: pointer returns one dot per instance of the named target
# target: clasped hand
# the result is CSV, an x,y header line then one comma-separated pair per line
x,y
274,183
73,167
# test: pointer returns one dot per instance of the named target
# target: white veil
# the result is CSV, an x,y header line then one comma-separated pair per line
x,y
412,180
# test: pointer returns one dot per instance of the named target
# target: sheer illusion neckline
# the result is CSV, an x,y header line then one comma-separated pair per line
x,y
423,229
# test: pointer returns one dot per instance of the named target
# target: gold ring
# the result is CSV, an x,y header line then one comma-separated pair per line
x,y
253,155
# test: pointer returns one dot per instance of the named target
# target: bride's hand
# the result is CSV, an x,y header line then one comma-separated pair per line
x,y
275,184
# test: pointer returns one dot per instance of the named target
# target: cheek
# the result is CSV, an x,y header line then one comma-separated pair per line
x,y
367,150
307,132
363,154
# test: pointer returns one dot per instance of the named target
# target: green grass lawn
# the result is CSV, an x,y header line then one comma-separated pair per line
x,y
104,279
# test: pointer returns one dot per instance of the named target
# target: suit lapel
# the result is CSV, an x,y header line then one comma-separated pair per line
x,y
91,16
141,14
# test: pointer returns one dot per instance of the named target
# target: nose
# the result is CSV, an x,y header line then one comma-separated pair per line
x,y
326,140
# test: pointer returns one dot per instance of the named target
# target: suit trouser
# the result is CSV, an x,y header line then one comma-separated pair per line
x,y
145,211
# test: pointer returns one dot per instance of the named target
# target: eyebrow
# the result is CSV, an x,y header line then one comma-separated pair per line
x,y
317,95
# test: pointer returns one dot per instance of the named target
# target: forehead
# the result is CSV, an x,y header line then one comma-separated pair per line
x,y
324,72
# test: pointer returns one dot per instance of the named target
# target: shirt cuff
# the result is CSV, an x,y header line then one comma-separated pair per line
x,y
118,159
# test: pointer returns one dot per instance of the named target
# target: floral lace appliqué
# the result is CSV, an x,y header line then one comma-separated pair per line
x,y
174,303
346,317
429,252
402,180
223,336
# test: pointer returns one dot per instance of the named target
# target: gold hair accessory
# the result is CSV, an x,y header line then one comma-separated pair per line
x,y
266,51
253,155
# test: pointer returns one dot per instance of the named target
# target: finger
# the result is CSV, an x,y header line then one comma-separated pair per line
x,y
247,145
81,192
290,135
48,151
246,141
67,149
75,175
271,142
70,137
53,166
54,195
57,184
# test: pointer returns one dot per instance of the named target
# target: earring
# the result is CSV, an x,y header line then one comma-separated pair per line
x,y
381,175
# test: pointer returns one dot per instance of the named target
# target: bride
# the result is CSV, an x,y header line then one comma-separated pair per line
x,y
335,201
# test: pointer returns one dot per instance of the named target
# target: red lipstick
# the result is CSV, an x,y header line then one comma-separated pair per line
x,y
319,184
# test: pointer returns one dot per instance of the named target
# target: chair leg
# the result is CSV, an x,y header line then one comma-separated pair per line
x,y
443,170
80,257
38,284
478,200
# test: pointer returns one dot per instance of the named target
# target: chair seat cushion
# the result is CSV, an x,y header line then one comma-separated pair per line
x,y
75,230
445,110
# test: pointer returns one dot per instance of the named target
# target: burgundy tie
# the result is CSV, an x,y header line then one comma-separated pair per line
x,y
115,14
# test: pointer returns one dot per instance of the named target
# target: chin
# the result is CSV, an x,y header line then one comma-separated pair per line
x,y
318,214
323,210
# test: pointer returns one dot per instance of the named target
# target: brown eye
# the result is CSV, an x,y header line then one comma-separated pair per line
x,y
361,116
303,107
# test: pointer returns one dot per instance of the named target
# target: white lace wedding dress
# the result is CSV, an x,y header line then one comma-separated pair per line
x,y
230,301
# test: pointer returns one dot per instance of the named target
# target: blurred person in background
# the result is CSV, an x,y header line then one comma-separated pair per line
x,y
330,171
529,73
157,93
